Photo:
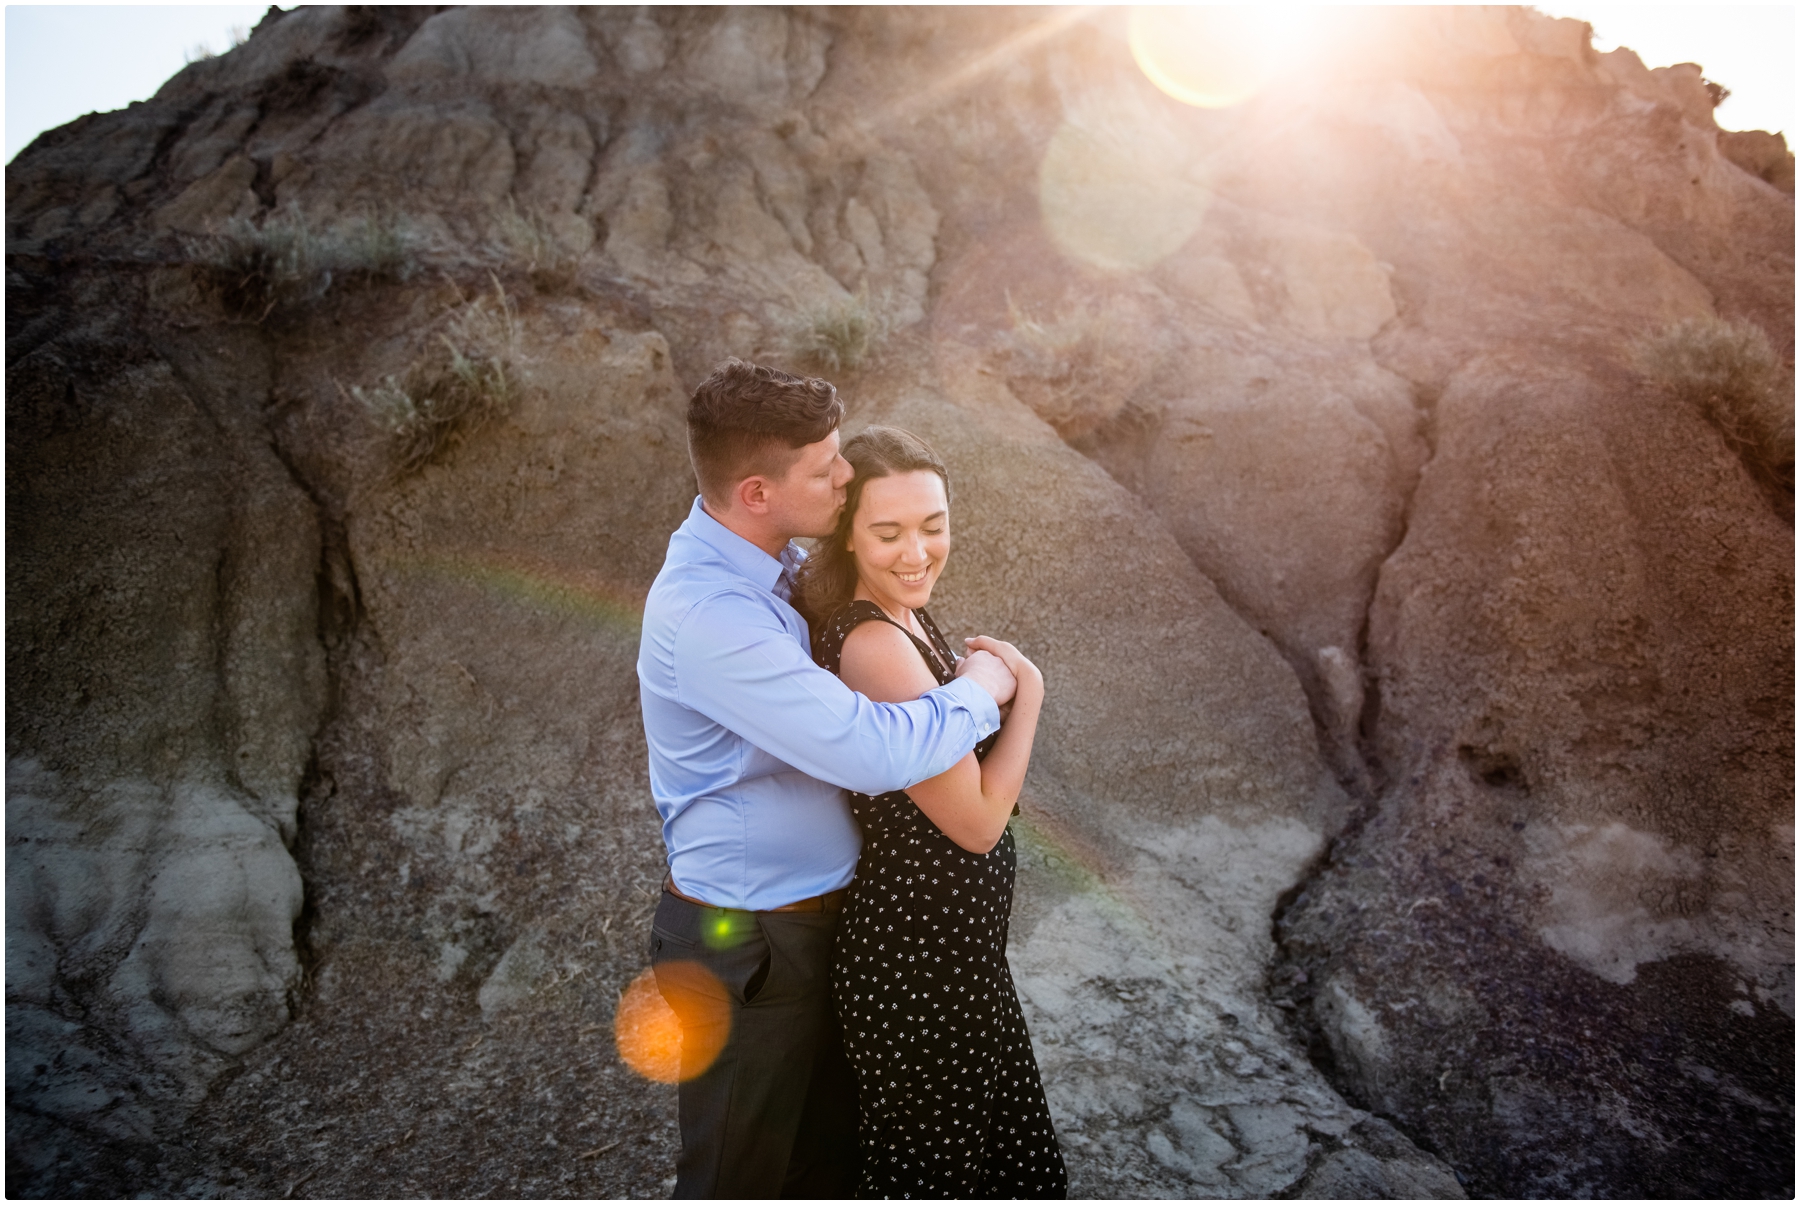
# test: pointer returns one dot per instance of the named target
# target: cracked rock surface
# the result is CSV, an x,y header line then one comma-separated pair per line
x,y
1411,814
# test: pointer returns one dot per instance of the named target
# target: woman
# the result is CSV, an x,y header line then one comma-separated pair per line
x,y
950,1097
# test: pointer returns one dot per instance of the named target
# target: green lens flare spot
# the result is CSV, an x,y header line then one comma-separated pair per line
x,y
725,930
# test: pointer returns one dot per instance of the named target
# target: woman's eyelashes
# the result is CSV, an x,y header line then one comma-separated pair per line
x,y
927,531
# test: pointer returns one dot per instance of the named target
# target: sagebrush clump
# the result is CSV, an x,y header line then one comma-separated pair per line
x,y
1075,369
839,334
257,266
525,239
436,402
454,390
1730,373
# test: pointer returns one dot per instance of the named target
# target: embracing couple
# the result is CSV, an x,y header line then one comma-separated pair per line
x,y
849,1024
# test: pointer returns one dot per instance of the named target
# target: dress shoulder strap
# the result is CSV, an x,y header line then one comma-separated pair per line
x,y
937,639
828,644
828,640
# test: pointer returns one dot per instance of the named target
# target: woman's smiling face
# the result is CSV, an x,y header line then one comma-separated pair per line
x,y
900,539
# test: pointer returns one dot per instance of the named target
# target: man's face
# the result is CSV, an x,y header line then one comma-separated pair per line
x,y
806,502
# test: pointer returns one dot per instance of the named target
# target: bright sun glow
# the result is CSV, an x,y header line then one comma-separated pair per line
x,y
1212,56
1220,56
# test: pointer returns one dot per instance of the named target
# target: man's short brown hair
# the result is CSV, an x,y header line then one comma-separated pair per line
x,y
746,419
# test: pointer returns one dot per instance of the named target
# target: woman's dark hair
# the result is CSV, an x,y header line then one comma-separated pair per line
x,y
828,578
747,419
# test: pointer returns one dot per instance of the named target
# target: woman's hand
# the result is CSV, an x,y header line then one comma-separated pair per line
x,y
1011,657
986,671
971,801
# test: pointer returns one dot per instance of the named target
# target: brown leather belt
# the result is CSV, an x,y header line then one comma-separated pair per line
x,y
831,901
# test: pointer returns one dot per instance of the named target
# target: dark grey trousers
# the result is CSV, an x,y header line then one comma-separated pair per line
x,y
774,1114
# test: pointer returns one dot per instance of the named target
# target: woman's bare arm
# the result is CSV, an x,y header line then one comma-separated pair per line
x,y
971,801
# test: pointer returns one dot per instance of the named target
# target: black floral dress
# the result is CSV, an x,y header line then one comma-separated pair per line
x,y
951,1102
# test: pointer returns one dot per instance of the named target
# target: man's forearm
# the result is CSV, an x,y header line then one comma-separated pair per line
x,y
794,710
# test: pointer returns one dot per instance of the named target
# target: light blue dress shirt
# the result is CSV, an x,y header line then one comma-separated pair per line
x,y
752,744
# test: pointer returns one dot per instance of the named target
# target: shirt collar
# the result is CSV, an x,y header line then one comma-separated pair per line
x,y
749,560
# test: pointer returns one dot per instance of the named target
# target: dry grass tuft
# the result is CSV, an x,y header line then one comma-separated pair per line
x,y
1730,373
446,396
255,267
524,238
1077,369
839,335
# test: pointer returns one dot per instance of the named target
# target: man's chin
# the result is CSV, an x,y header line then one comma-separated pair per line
x,y
827,526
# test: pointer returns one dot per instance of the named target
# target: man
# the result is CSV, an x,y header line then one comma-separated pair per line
x,y
751,747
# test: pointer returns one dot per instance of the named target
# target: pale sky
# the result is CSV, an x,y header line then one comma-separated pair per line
x,y
66,60
1749,48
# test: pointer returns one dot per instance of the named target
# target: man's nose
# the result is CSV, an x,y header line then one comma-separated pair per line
x,y
841,477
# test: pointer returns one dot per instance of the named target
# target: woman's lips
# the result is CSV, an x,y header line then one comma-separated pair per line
x,y
912,579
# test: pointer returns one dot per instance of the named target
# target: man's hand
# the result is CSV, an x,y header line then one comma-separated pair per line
x,y
990,673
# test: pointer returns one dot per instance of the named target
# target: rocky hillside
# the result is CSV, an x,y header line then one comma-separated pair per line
x,y
1389,473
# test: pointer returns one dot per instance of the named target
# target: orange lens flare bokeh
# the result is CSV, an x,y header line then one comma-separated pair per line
x,y
654,1041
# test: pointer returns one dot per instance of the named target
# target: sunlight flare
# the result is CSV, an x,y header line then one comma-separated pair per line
x,y
653,1041
1117,187
1213,56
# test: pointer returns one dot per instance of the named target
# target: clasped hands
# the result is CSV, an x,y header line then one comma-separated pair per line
x,y
996,667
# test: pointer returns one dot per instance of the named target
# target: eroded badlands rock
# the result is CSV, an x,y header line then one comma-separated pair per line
x,y
160,571
1420,738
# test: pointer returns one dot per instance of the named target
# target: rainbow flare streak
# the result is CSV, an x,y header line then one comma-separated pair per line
x,y
559,590
1077,864
649,1037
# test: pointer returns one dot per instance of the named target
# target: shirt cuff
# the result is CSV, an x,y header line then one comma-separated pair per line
x,y
977,702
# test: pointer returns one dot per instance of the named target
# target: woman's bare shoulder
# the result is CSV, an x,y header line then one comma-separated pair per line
x,y
879,660
875,639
